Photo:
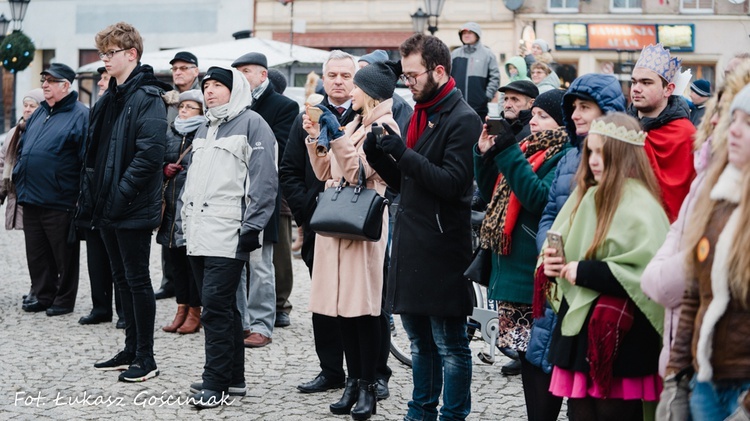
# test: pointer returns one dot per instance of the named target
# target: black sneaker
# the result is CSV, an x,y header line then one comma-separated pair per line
x,y
239,389
121,361
142,369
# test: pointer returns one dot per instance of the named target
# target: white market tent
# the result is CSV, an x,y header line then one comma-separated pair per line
x,y
223,54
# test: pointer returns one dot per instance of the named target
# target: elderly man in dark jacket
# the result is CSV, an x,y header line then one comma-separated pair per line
x,y
433,171
46,177
121,188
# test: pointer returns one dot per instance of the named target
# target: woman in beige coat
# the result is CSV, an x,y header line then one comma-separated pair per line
x,y
347,275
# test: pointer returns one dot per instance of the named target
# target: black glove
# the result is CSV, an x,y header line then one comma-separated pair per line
x,y
392,144
503,141
371,148
249,241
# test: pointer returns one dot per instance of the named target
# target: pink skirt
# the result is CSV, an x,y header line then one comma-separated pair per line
x,y
576,385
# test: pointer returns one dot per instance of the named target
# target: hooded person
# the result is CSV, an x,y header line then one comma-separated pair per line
x,y
475,69
223,215
516,69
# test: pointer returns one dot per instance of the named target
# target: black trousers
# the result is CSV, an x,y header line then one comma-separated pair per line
x,y
185,287
100,276
53,263
361,339
218,279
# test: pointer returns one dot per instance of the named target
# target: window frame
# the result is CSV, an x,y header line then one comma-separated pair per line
x,y
567,9
625,10
697,9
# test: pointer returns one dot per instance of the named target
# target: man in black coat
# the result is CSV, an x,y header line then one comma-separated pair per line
x,y
431,246
121,188
269,270
517,102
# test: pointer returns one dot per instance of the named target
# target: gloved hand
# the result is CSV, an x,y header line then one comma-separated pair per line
x,y
392,143
171,170
674,403
371,148
249,241
503,141
330,128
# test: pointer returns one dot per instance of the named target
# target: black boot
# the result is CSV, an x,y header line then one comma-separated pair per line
x,y
366,401
348,398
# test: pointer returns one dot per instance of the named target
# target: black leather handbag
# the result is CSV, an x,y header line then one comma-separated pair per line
x,y
481,267
349,212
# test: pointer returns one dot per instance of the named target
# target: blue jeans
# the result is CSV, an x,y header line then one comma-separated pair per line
x,y
441,360
710,401
129,253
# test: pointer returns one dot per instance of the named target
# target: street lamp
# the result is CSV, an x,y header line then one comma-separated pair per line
x,y
4,23
18,11
419,20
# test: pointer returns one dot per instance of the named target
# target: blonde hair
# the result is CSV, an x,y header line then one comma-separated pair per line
x,y
369,105
621,161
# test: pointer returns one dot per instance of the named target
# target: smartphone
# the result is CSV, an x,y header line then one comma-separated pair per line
x,y
494,126
314,113
555,241
378,132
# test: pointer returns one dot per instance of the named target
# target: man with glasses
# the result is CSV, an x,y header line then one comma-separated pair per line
x,y
121,188
431,248
184,78
46,177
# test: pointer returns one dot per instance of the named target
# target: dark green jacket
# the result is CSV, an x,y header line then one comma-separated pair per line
x,y
512,276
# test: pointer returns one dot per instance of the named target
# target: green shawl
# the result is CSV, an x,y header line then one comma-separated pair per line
x,y
638,229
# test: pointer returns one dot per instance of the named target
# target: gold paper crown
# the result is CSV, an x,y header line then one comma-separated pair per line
x,y
614,131
656,58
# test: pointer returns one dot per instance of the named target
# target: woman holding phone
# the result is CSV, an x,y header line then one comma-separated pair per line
x,y
605,346
347,275
514,178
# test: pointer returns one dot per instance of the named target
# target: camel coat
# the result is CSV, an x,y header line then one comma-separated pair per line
x,y
347,275
13,211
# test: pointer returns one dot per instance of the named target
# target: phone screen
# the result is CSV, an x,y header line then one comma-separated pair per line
x,y
494,125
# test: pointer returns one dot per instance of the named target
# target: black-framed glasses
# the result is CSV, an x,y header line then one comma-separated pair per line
x,y
51,80
111,53
188,107
412,80
182,68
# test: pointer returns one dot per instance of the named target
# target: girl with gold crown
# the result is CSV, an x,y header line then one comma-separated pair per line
x,y
605,347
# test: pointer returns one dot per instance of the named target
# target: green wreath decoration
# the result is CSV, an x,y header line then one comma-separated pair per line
x,y
17,51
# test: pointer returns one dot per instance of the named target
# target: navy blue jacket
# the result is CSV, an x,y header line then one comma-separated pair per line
x,y
48,169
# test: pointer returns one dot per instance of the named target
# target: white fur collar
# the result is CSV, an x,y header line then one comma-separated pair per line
x,y
727,187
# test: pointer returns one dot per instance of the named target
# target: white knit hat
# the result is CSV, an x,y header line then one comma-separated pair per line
x,y
741,101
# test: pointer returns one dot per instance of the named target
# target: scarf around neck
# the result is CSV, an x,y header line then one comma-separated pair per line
x,y
504,208
638,229
421,110
189,125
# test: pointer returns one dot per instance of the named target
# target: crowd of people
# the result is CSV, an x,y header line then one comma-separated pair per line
x,y
614,230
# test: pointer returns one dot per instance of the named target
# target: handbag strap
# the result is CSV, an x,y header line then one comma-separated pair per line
x,y
360,177
184,154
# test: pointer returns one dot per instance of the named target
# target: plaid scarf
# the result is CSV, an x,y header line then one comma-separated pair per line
x,y
610,321
502,212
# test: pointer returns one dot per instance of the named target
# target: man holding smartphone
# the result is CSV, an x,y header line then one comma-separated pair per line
x,y
517,102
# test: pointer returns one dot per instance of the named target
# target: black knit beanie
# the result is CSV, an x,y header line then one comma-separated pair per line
x,y
551,103
377,80
221,75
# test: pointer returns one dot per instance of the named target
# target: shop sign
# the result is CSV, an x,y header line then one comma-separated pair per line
x,y
623,37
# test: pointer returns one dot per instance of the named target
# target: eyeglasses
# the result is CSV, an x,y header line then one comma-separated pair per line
x,y
412,80
183,68
111,53
51,80
188,107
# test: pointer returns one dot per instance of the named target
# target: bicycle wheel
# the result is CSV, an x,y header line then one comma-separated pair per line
x,y
400,343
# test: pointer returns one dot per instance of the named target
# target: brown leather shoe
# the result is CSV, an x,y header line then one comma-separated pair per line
x,y
256,340
193,322
179,319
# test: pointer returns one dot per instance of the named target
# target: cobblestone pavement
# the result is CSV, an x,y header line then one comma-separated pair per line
x,y
47,372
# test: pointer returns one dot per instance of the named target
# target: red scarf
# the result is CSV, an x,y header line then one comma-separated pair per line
x,y
610,321
419,119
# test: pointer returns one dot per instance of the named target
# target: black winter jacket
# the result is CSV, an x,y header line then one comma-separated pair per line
x,y
431,246
169,232
130,192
